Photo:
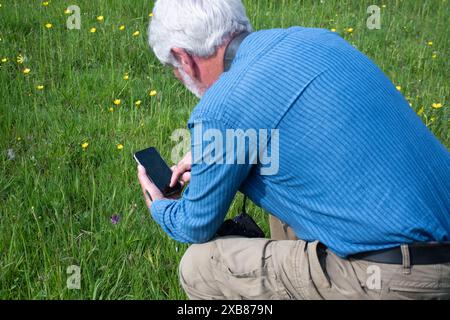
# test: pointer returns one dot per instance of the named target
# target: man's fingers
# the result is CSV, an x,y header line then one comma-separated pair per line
x,y
143,178
186,177
180,169
149,190
144,182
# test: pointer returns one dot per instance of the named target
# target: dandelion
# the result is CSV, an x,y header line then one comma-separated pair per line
x,y
115,219
4,60
430,43
117,102
111,109
136,33
48,25
120,146
383,6
420,111
93,30
350,30
333,30
85,145
153,93
434,56
399,88
40,87
122,27
20,59
26,71
138,103
45,3
67,11
150,14
126,76
100,18
437,105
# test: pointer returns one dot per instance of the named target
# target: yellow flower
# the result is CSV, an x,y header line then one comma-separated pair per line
x,y
333,30
117,102
153,93
150,14
434,56
126,76
45,3
20,59
100,18
93,30
437,105
85,145
138,103
4,60
48,25
122,27
430,43
26,71
136,33
67,11
120,146
40,87
383,6
111,109
420,112
399,88
350,30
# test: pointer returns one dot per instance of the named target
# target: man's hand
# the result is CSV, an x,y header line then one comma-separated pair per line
x,y
149,189
182,171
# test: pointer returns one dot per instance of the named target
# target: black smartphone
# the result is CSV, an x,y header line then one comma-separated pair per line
x,y
157,171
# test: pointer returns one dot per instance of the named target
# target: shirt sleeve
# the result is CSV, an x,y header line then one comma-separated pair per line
x,y
215,179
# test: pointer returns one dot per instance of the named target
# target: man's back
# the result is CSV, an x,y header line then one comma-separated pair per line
x,y
358,170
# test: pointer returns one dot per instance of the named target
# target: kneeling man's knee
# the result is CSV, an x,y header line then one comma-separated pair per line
x,y
196,271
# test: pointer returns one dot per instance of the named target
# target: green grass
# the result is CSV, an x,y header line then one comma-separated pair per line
x,y
56,200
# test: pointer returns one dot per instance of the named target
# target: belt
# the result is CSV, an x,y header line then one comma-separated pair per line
x,y
419,254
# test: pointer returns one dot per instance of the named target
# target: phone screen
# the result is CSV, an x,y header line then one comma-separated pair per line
x,y
157,171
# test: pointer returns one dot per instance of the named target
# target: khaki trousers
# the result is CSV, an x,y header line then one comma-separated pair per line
x,y
242,268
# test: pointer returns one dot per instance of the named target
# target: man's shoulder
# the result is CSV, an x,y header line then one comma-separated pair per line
x,y
210,107
258,86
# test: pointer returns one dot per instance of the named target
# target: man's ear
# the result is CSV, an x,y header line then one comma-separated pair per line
x,y
186,62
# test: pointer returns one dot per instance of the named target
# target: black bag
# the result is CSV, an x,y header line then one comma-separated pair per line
x,y
242,225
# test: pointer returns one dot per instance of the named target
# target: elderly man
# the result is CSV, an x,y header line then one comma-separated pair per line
x,y
363,184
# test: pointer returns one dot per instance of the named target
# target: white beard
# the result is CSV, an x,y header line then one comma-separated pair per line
x,y
190,84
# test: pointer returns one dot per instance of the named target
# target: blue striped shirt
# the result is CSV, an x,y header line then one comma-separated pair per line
x,y
358,170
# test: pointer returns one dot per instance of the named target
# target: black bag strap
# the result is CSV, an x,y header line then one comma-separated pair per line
x,y
231,50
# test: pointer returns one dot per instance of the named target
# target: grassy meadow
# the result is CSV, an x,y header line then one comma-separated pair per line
x,y
75,105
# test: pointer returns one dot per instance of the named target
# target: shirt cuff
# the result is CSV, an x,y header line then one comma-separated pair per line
x,y
158,208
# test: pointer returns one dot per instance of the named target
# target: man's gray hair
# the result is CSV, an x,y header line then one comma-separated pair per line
x,y
198,26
